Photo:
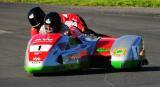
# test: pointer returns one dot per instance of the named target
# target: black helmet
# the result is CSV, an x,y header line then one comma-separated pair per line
x,y
53,20
36,17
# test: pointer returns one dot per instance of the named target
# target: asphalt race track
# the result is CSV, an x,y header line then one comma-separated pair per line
x,y
14,35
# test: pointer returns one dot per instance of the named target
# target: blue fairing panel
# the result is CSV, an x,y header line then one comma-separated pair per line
x,y
55,52
89,41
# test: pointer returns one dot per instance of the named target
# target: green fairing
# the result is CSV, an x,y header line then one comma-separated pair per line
x,y
63,67
102,50
125,65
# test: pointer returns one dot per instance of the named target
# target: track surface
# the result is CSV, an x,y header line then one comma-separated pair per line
x,y
14,34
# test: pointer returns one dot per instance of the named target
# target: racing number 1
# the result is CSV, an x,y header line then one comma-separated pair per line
x,y
39,47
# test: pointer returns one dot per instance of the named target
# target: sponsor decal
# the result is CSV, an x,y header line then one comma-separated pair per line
x,y
71,23
119,52
74,56
78,55
103,50
36,60
43,40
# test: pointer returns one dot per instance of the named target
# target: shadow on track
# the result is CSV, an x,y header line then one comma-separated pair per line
x,y
73,73
150,68
142,69
98,71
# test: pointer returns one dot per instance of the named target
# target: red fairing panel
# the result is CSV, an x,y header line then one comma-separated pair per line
x,y
40,46
103,46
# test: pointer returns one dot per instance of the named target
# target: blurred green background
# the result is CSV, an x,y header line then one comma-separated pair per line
x,y
109,3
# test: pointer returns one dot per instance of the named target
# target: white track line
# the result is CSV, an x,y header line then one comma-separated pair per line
x,y
5,32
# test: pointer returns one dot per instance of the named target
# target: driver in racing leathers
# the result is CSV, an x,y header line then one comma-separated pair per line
x,y
36,19
53,24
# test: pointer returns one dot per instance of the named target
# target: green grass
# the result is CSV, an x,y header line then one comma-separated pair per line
x,y
109,3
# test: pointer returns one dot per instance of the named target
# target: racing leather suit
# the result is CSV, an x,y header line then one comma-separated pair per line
x,y
73,20
70,20
34,31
